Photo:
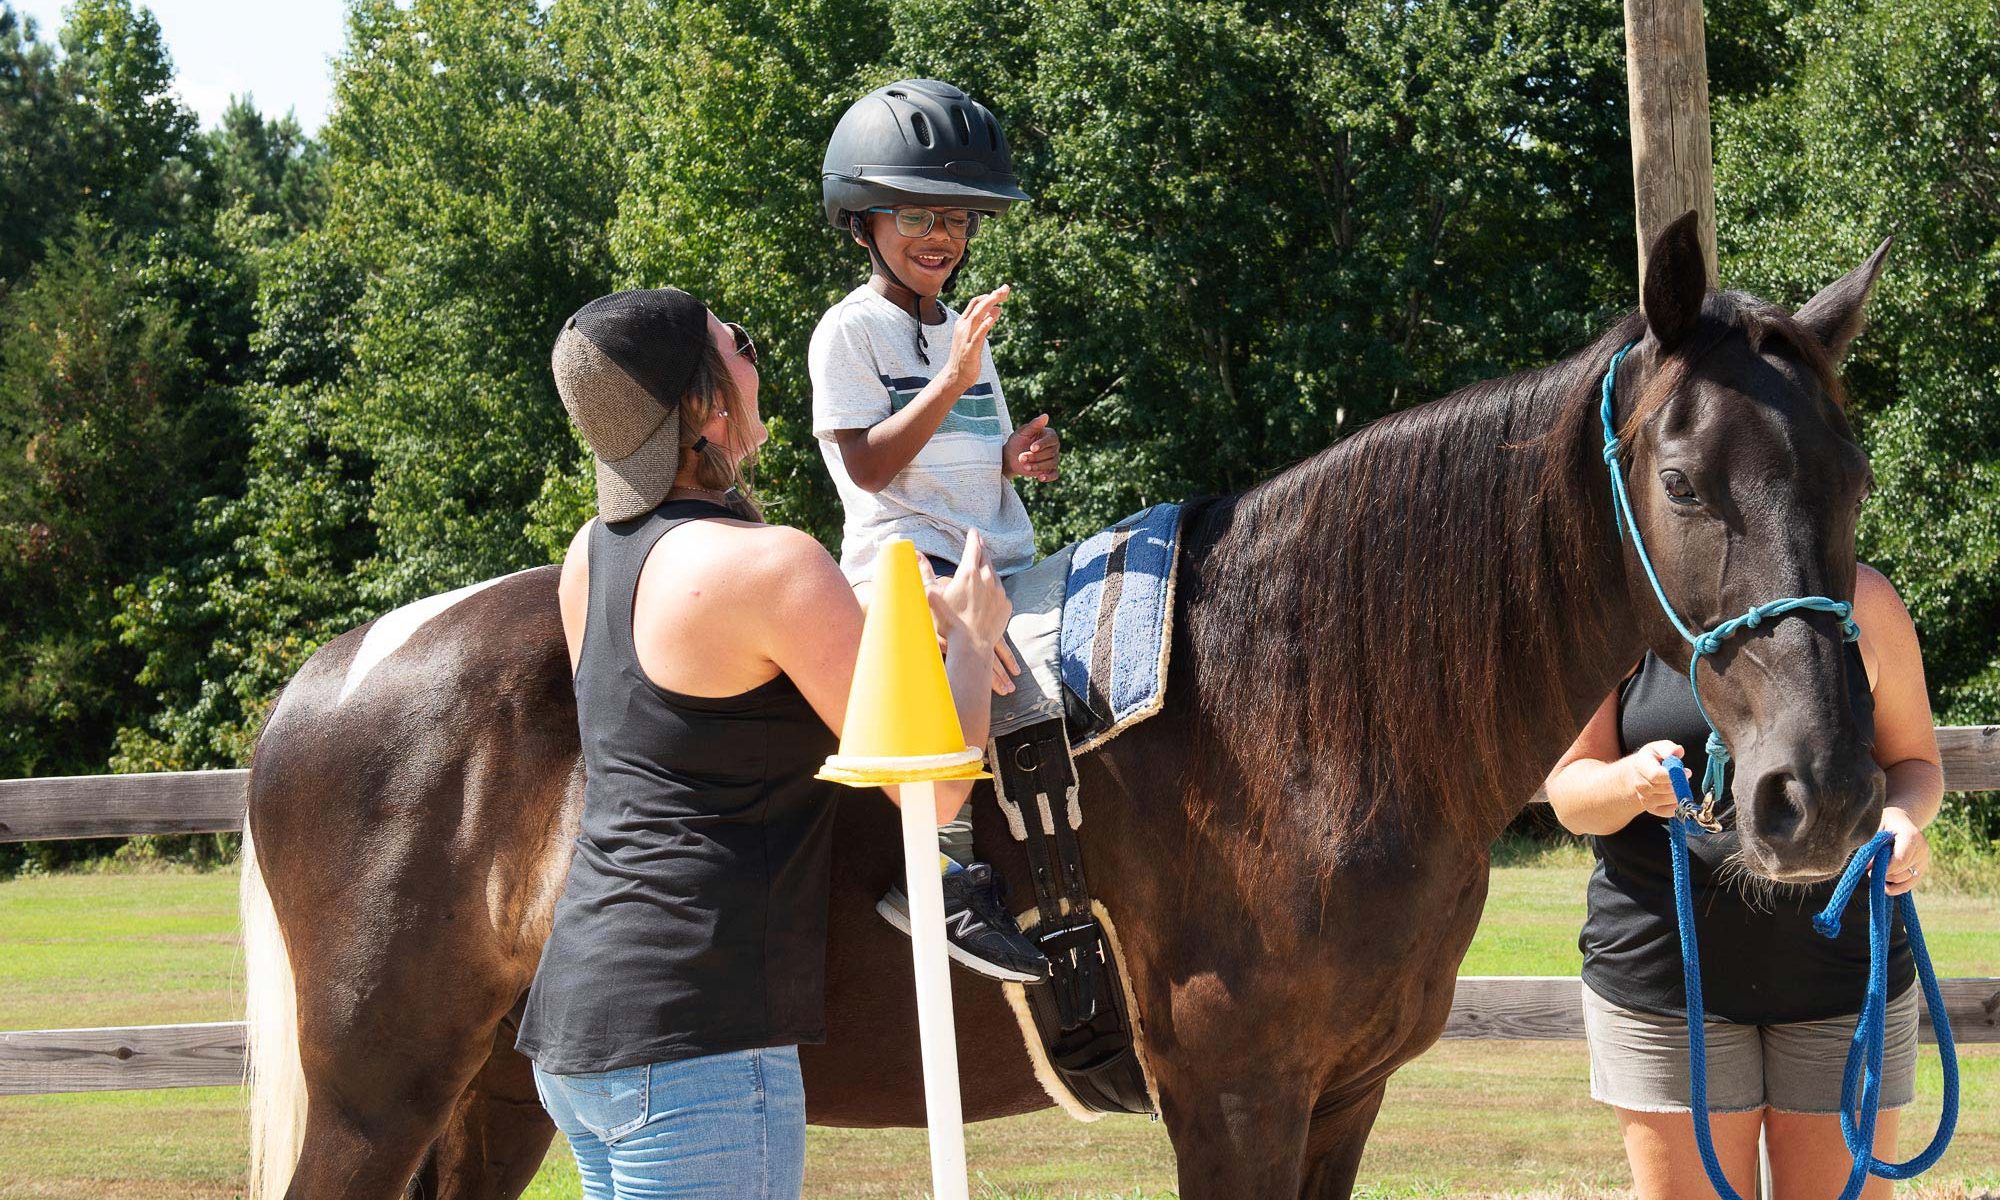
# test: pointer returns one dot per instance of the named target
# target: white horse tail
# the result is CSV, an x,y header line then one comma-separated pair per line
x,y
275,1077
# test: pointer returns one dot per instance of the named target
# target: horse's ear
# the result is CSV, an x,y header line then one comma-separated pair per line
x,y
1676,281
1836,315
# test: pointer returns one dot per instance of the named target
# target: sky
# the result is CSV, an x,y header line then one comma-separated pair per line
x,y
279,52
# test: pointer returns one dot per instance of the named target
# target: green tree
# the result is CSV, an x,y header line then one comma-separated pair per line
x,y
402,418
94,131
268,165
131,127
472,175
263,572
94,431
1888,129
39,168
203,621
724,114
134,248
1257,227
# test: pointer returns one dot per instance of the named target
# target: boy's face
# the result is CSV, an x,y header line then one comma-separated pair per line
x,y
922,263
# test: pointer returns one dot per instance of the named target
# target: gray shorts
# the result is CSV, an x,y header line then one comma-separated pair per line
x,y
1639,1061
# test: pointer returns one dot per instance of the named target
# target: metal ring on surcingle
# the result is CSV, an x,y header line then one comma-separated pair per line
x,y
1028,757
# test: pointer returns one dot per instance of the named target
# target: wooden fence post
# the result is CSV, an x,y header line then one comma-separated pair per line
x,y
1673,163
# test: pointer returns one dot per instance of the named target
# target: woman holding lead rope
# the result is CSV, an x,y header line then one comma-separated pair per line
x,y
1781,998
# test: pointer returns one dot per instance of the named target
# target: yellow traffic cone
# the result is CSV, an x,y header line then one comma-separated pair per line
x,y
902,726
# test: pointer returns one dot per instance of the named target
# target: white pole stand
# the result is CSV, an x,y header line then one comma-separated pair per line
x,y
934,1025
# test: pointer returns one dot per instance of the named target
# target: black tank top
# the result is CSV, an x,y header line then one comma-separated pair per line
x,y
1762,963
694,918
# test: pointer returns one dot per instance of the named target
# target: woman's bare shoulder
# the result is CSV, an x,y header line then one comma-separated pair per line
x,y
757,548
576,559
746,562
1875,596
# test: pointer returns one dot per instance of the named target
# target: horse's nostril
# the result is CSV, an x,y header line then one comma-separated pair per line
x,y
1780,810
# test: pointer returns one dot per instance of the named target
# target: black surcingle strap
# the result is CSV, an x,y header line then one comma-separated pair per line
x,y
1080,1013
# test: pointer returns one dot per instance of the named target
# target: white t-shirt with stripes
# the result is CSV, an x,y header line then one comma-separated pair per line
x,y
864,367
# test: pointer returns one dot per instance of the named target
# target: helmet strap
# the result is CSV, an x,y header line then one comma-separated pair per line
x,y
860,226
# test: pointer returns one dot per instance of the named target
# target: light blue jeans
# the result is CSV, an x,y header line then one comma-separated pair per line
x,y
722,1127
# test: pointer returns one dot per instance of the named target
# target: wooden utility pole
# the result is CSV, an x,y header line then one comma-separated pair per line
x,y
1673,163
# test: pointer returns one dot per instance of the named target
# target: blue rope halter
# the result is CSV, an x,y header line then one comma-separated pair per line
x,y
1864,1055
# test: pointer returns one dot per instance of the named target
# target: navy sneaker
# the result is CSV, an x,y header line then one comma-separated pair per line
x,y
979,931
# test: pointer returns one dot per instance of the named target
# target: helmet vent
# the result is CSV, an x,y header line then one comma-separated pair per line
x,y
992,133
899,94
922,128
964,128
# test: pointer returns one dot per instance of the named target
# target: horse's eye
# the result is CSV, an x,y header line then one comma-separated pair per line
x,y
1679,490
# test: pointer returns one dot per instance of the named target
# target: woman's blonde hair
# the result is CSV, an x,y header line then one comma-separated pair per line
x,y
713,389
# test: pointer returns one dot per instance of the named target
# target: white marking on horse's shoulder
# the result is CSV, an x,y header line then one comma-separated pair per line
x,y
392,629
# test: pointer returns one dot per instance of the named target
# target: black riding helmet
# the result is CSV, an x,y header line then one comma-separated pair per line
x,y
917,142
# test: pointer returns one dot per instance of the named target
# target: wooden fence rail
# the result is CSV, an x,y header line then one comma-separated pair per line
x,y
40,810
86,806
1495,1008
1510,1008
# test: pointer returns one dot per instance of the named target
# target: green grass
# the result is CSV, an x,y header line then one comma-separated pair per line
x,y
1469,1118
151,948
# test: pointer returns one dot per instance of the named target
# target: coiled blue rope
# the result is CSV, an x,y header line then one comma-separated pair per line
x,y
1863,1072
1873,860
1861,1079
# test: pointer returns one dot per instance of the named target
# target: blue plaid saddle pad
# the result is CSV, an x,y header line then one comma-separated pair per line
x,y
1117,622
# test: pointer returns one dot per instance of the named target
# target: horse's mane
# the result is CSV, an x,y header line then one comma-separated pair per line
x,y
1391,623
1361,611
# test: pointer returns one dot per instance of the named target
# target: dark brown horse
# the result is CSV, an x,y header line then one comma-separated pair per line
x,y
1377,655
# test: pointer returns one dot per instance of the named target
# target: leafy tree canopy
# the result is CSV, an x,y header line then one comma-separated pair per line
x,y
257,387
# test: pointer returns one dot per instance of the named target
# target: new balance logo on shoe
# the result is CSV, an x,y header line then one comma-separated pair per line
x,y
980,934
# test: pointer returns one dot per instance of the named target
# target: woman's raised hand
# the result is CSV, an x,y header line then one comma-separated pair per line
x,y
968,340
971,603
1652,789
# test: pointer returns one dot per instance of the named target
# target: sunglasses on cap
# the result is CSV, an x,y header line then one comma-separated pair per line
x,y
744,345
962,224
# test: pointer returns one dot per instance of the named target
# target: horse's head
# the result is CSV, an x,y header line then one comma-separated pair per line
x,y
1746,483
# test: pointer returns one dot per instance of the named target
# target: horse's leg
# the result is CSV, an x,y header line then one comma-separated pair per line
x,y
388,1050
498,1133
1237,1133
1338,1135
372,1113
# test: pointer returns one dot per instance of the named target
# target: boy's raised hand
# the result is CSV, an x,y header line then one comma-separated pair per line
x,y
969,338
1032,451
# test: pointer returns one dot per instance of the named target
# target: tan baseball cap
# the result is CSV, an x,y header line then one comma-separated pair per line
x,y
622,364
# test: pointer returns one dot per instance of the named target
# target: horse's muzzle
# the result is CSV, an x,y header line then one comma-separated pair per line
x,y
1800,821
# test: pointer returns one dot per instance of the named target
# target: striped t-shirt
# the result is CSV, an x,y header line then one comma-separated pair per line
x,y
864,368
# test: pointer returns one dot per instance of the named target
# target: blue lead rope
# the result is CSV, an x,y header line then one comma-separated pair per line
x,y
1863,1073
1861,1080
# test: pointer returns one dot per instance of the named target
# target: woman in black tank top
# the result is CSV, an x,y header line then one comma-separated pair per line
x,y
713,656
1780,998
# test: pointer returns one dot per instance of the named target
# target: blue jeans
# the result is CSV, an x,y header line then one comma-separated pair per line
x,y
721,1127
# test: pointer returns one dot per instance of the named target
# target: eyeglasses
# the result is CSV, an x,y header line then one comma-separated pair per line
x,y
744,345
961,224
